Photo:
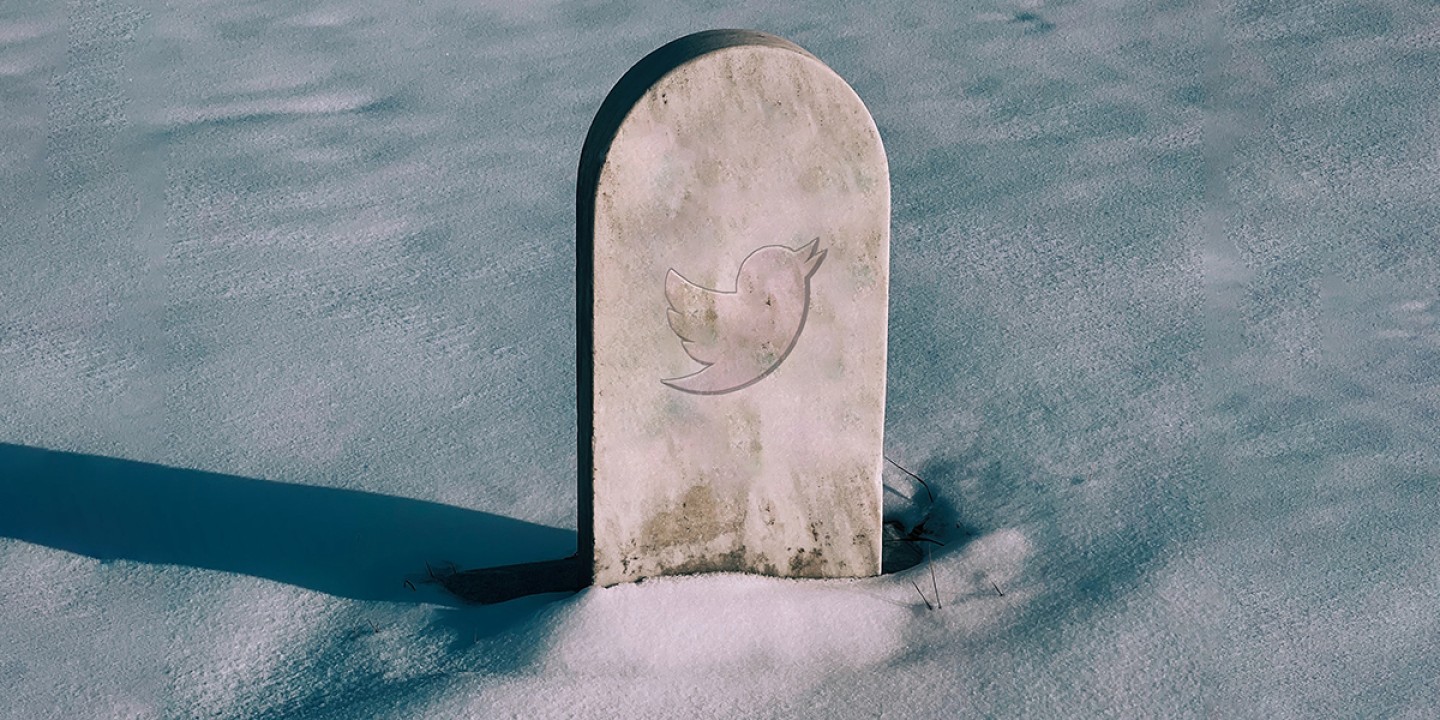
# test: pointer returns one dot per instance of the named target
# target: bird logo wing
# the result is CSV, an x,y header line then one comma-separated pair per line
x,y
694,315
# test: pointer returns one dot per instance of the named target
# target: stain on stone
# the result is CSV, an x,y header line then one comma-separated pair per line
x,y
809,564
767,515
697,521
814,180
729,561
762,564
862,271
681,538
865,181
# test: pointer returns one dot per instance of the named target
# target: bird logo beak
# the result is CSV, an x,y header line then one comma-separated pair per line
x,y
813,256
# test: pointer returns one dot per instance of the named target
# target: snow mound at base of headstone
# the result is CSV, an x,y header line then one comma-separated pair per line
x,y
749,643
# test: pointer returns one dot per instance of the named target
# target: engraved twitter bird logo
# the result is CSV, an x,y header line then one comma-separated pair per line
x,y
742,335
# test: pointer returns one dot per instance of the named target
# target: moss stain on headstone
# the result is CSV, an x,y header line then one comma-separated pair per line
x,y
696,521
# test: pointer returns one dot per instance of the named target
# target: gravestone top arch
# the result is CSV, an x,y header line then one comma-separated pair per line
x,y
733,229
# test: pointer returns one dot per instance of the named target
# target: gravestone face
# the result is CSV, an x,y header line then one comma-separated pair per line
x,y
733,262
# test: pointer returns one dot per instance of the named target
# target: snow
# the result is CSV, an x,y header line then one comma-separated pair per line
x,y
286,313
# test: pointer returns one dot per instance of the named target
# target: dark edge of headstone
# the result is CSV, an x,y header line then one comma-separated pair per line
x,y
616,107
488,586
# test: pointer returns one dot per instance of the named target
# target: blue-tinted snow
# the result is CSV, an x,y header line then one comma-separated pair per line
x,y
1165,339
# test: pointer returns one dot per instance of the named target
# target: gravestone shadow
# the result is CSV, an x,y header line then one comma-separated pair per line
x,y
347,543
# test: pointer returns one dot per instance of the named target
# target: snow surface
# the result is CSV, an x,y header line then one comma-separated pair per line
x,y
286,313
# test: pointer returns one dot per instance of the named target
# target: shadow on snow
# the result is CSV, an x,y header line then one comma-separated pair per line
x,y
347,543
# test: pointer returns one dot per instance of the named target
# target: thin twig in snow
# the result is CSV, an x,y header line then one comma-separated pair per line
x,y
928,606
913,475
933,584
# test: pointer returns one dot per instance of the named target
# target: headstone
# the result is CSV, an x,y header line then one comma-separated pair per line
x,y
733,262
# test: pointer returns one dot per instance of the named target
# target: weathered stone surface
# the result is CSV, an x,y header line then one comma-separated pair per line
x,y
734,230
